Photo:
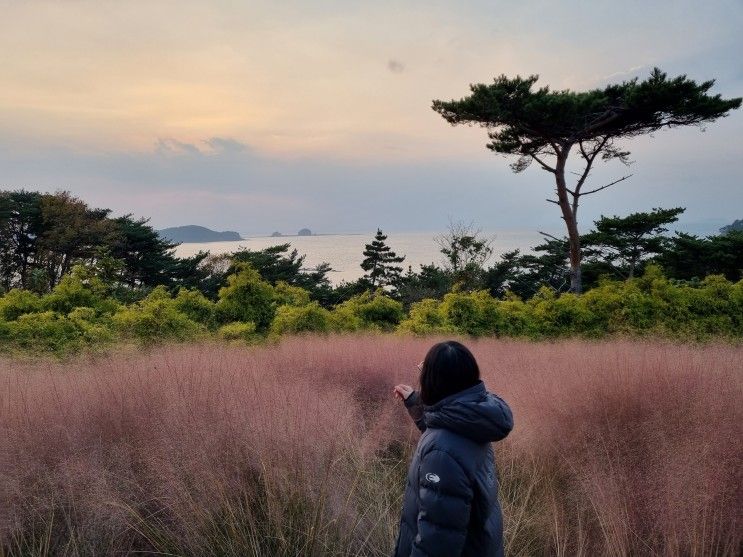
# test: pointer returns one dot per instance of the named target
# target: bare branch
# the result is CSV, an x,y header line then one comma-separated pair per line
x,y
552,201
542,163
589,158
622,179
550,236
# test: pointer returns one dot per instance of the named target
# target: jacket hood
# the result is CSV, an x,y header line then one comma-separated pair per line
x,y
473,413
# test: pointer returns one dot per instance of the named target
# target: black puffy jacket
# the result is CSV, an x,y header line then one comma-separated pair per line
x,y
450,507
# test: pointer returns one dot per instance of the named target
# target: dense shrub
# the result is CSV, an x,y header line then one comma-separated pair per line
x,y
80,289
79,312
426,318
16,302
472,313
195,306
237,331
301,319
156,318
369,311
286,294
247,298
649,305
44,331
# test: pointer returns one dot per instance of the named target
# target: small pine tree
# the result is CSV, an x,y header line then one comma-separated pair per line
x,y
379,262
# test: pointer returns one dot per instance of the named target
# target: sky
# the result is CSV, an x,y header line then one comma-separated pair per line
x,y
262,116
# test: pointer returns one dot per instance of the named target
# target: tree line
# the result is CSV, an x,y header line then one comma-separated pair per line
x,y
617,248
106,279
43,235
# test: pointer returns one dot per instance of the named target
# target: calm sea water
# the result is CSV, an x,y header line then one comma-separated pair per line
x,y
344,251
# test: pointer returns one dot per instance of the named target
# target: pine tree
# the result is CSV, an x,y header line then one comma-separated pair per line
x,y
379,262
551,127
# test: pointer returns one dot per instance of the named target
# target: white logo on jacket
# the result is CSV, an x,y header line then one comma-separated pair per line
x,y
433,478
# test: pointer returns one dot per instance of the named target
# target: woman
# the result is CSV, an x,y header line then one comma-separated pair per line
x,y
450,507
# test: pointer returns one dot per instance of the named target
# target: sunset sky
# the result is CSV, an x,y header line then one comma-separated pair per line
x,y
262,116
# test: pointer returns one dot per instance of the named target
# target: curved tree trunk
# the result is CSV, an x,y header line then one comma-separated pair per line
x,y
571,221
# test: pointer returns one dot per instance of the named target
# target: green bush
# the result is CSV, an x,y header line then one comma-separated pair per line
x,y
45,331
516,318
16,302
559,315
80,289
237,331
369,311
80,313
648,305
246,298
303,319
94,329
195,306
286,294
472,313
156,318
426,318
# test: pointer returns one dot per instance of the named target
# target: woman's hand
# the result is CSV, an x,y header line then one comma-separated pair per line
x,y
402,391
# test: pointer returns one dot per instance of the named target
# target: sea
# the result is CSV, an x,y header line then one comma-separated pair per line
x,y
344,252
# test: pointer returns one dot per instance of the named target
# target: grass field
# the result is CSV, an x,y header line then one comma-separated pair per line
x,y
619,448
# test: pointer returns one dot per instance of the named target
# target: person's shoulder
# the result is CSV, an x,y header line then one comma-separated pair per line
x,y
458,446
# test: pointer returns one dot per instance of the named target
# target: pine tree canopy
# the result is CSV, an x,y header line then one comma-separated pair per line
x,y
379,262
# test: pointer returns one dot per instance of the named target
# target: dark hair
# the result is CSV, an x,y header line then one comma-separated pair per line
x,y
449,367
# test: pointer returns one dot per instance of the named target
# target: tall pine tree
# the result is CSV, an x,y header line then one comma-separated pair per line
x,y
379,262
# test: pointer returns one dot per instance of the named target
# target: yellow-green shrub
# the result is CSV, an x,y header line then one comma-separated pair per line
x,y
426,318
237,331
94,329
472,313
16,302
288,295
247,298
371,310
303,319
156,318
80,288
45,331
560,315
650,304
196,306
343,319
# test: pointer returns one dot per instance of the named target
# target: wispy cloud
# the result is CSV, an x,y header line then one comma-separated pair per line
x,y
287,113
212,146
395,66
226,145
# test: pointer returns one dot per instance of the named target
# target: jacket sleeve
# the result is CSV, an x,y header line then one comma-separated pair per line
x,y
415,409
445,499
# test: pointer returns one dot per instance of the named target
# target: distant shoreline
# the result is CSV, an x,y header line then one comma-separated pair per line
x,y
245,238
310,235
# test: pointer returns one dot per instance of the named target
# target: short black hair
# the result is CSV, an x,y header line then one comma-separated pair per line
x,y
449,367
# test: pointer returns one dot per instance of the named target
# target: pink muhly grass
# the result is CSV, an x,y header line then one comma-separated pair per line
x,y
619,448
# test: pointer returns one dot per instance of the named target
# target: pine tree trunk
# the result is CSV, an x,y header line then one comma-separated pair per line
x,y
571,221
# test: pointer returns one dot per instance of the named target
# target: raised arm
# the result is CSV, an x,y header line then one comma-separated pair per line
x,y
415,409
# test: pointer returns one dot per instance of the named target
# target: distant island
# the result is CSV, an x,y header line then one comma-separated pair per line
x,y
196,234
302,232
737,225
